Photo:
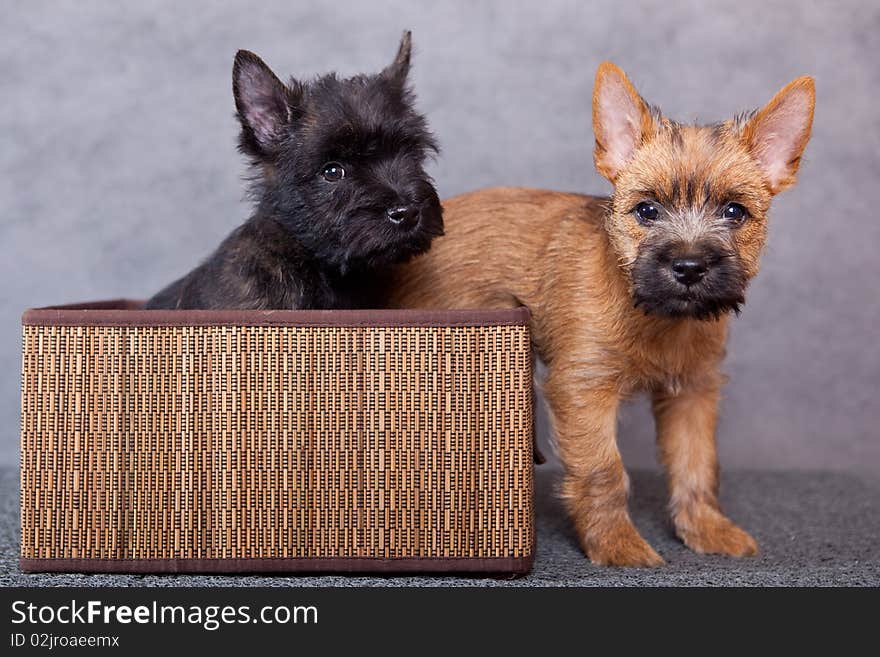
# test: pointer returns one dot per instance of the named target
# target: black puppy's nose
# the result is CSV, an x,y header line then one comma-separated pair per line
x,y
689,270
403,214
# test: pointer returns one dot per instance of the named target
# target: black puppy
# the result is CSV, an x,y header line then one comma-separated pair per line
x,y
340,192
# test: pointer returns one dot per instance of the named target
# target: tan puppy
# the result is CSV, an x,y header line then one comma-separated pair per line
x,y
630,294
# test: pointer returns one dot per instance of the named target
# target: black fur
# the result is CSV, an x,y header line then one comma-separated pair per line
x,y
655,289
314,243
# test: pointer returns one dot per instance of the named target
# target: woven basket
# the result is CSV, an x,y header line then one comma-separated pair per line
x,y
232,441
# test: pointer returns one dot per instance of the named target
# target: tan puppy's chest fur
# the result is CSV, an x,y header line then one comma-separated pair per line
x,y
629,294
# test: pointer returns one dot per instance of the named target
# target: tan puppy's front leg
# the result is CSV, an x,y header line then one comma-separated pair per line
x,y
686,440
595,484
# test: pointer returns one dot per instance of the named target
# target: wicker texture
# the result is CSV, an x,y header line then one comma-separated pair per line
x,y
224,442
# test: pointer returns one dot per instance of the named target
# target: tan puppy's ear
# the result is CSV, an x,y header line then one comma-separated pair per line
x,y
621,120
777,134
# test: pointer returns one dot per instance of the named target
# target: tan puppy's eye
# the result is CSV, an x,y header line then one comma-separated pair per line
x,y
734,213
646,212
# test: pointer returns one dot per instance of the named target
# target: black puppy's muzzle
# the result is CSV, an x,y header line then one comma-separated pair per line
x,y
403,215
426,216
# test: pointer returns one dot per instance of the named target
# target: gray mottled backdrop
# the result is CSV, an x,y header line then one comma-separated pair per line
x,y
119,168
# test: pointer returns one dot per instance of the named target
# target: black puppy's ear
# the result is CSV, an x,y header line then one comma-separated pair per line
x,y
262,102
399,68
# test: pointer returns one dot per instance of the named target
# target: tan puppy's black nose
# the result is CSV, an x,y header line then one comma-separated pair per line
x,y
689,270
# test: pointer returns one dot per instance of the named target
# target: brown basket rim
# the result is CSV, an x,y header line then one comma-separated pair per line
x,y
129,312
423,565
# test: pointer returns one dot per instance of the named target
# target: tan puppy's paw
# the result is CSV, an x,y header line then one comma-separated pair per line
x,y
621,545
710,532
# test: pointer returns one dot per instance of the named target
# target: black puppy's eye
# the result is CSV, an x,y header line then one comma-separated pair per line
x,y
734,213
646,212
333,172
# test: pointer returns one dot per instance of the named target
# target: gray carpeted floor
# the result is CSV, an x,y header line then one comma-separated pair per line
x,y
814,529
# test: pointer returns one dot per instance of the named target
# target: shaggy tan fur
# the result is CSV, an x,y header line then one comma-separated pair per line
x,y
568,258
